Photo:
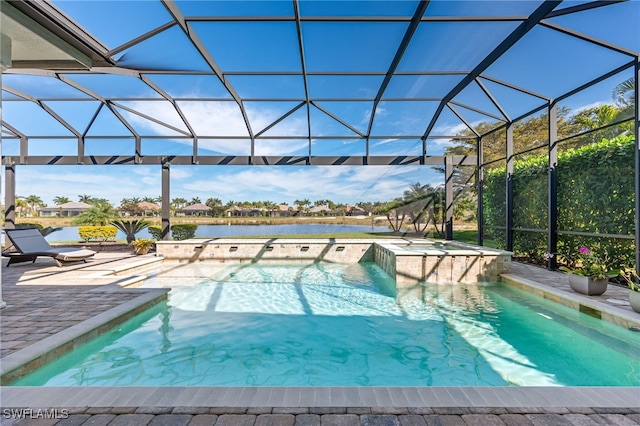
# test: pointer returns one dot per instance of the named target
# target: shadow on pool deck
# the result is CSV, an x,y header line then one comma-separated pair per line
x,y
44,300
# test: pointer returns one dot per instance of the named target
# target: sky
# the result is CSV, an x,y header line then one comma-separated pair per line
x,y
563,63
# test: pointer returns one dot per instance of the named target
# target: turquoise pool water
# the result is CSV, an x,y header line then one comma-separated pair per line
x,y
340,325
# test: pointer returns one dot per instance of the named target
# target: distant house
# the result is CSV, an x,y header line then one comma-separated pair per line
x,y
149,209
355,211
320,210
236,211
285,210
64,210
197,209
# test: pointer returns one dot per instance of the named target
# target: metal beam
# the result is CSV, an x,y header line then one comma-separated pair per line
x,y
589,39
480,190
296,11
637,163
509,188
406,39
552,213
448,198
243,160
166,201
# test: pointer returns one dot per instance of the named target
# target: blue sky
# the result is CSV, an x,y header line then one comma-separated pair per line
x,y
564,64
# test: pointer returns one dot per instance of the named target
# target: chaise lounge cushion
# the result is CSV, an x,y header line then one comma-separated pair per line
x,y
29,244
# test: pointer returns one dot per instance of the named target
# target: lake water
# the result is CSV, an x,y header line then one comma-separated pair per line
x,y
70,233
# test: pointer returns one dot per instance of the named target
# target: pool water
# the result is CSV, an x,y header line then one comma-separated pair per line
x,y
327,324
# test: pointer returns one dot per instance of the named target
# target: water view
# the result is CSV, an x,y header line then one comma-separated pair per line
x,y
70,233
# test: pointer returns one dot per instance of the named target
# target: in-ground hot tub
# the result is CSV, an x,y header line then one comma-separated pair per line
x,y
423,261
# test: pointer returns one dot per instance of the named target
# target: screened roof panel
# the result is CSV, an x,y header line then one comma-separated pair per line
x,y
22,115
355,114
323,124
41,86
107,124
281,147
224,147
294,124
77,114
263,114
150,54
358,8
562,56
395,147
119,21
268,86
421,86
408,118
190,86
338,147
215,118
440,46
473,95
514,102
109,146
235,69
251,46
145,127
166,146
617,23
53,146
161,110
449,124
344,86
351,46
6,95
113,85
481,8
236,8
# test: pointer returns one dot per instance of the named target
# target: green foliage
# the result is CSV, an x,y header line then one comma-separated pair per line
x,y
183,231
131,227
592,180
100,213
97,233
155,232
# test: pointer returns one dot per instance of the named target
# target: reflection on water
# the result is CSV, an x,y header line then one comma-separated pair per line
x,y
340,325
70,233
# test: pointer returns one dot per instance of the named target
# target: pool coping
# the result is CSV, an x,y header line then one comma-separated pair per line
x,y
285,396
46,350
578,302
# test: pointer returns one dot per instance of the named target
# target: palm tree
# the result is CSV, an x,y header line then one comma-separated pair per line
x,y
178,203
60,200
84,198
195,200
131,227
33,202
99,214
624,94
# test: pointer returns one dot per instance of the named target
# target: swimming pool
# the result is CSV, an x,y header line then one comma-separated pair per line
x,y
325,324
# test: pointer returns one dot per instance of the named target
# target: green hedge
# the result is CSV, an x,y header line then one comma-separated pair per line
x,y
178,232
155,231
595,194
183,231
98,233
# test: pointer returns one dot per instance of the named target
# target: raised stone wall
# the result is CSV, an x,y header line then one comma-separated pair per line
x,y
251,250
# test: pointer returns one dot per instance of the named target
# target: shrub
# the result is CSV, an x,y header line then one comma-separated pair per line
x,y
130,227
155,232
98,233
183,231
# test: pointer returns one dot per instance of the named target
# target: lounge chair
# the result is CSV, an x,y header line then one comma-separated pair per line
x,y
29,244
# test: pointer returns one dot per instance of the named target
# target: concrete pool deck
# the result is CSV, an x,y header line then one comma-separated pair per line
x,y
46,305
